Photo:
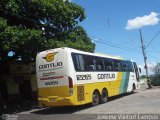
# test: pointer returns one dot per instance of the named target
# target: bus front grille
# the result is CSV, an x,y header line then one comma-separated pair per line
x,y
80,93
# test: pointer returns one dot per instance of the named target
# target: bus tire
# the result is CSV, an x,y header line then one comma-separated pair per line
x,y
104,96
133,88
95,98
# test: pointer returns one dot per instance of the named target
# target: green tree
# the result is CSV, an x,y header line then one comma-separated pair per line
x,y
156,70
155,79
143,76
30,26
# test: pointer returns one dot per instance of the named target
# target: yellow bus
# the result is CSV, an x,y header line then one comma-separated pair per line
x,y
68,77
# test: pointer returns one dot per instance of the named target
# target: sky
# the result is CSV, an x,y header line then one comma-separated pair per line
x,y
113,25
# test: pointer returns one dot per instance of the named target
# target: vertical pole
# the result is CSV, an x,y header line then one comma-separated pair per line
x,y
145,60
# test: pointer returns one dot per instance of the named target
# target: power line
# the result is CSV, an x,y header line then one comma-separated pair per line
x,y
108,44
112,44
153,51
151,55
21,16
108,21
153,38
34,21
116,46
134,44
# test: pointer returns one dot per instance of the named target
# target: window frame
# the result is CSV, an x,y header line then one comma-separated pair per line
x,y
104,59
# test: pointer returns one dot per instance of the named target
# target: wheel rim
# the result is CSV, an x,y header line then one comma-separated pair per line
x,y
104,96
95,98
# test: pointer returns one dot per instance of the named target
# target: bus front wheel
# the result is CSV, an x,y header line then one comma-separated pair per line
x,y
133,88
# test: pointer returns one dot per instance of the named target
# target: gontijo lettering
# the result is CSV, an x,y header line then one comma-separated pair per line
x,y
106,76
51,65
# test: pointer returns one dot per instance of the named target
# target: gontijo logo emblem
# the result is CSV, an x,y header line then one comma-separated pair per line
x,y
50,56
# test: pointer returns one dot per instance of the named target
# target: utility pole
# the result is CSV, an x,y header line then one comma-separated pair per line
x,y
145,60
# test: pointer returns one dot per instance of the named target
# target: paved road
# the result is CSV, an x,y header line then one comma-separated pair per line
x,y
144,101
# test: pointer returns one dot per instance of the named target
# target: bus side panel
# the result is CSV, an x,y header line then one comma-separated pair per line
x,y
132,81
114,86
89,89
124,82
85,96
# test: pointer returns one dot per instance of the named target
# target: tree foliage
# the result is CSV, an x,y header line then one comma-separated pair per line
x,y
156,70
30,26
24,42
155,79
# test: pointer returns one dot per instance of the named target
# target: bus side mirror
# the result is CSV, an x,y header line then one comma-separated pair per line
x,y
140,70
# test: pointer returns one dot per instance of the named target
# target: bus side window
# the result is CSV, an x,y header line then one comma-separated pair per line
x,y
127,66
89,63
99,64
117,66
108,68
109,64
89,67
78,62
130,66
136,71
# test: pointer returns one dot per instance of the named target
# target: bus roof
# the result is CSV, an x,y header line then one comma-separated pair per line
x,y
83,52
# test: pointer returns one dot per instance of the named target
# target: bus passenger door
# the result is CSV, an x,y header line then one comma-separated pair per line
x,y
136,71
137,75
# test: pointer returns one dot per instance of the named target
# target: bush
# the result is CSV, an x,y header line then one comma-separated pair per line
x,y
155,81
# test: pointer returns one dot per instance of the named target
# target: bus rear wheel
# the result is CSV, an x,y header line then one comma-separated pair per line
x,y
95,98
104,96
